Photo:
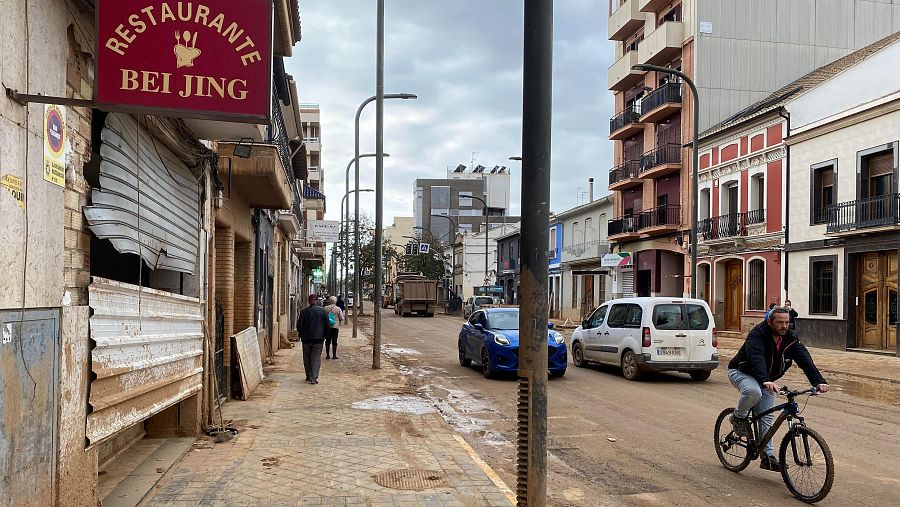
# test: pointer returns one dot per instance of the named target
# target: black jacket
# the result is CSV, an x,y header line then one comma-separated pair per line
x,y
759,358
312,324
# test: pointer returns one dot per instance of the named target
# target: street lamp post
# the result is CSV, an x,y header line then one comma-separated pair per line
x,y
695,185
345,218
487,230
345,235
431,234
356,157
452,243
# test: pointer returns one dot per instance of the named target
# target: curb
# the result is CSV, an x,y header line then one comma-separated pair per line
x,y
486,469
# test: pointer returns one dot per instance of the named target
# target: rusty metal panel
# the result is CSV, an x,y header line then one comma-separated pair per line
x,y
29,371
148,202
147,355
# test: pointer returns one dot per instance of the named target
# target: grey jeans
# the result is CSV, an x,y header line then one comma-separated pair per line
x,y
754,396
312,359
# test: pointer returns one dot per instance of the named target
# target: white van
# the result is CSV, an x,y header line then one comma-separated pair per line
x,y
649,334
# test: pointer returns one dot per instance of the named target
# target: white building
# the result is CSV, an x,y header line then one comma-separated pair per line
x,y
585,283
843,206
468,259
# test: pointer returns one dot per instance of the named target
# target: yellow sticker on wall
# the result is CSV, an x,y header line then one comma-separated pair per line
x,y
14,185
55,144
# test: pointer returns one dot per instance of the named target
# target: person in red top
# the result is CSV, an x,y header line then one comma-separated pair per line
x,y
765,356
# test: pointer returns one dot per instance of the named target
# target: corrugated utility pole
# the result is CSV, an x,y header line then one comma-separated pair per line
x,y
531,484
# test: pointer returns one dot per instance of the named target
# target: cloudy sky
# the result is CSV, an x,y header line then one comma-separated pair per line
x,y
463,58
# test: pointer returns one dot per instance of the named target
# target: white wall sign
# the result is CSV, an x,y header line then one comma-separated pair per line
x,y
323,231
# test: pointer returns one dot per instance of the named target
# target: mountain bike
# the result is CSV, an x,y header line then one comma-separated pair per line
x,y
807,467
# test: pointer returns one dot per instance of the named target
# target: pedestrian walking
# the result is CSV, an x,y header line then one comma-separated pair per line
x,y
313,326
793,315
340,303
331,339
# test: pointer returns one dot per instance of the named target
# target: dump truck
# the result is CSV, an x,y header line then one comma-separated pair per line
x,y
414,293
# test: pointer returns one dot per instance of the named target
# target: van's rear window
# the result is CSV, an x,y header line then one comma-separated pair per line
x,y
670,317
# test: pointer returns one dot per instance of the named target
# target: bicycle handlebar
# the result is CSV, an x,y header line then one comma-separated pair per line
x,y
813,391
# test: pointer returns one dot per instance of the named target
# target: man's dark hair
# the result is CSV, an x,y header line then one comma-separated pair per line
x,y
778,309
772,305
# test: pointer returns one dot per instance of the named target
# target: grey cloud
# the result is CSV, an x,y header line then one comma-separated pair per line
x,y
464,60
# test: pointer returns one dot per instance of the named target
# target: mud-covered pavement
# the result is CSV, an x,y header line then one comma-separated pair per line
x,y
614,442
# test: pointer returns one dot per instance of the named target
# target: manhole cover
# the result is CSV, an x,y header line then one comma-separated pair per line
x,y
415,480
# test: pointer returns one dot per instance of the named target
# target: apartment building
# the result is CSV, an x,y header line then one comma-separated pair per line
x,y
737,52
311,254
585,282
462,196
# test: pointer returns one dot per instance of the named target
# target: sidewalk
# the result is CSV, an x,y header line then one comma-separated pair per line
x,y
838,362
359,437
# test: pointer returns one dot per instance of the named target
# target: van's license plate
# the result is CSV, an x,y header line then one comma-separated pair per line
x,y
668,351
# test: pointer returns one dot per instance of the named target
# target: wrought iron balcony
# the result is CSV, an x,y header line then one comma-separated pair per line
x,y
276,134
625,123
661,102
662,160
624,175
660,216
729,226
878,211
627,224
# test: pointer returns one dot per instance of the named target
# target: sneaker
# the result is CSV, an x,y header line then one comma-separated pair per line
x,y
740,425
770,463
317,381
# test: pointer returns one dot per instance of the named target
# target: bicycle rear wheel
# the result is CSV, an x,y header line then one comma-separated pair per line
x,y
806,464
733,451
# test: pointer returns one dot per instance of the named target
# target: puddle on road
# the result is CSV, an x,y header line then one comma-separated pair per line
x,y
402,404
394,351
882,392
465,413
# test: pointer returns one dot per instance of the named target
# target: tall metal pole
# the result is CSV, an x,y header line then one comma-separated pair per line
x,y
452,242
531,484
695,164
379,186
487,230
344,254
356,158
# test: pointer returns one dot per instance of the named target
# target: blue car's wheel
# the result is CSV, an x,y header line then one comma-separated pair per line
x,y
463,360
557,373
486,369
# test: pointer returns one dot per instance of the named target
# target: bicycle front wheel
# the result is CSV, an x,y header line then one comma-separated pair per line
x,y
733,451
806,464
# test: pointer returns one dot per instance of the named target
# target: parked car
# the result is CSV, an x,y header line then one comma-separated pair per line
x,y
649,334
475,303
490,337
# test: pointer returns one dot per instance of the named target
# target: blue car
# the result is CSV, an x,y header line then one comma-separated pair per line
x,y
491,338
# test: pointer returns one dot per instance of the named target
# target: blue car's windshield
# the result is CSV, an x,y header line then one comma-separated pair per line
x,y
505,321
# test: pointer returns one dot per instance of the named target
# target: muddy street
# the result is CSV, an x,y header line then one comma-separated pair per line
x,y
615,442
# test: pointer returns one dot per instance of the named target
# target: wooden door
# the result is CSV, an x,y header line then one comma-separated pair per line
x,y
877,309
587,298
734,295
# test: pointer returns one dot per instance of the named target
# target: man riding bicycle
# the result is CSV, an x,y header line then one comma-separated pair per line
x,y
764,357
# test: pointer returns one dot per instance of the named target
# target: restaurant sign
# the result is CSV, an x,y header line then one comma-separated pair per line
x,y
201,59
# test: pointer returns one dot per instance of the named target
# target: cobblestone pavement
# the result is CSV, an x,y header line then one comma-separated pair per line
x,y
324,444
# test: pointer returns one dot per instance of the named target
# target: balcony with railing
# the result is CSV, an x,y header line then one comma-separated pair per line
x,y
734,225
662,160
661,103
623,228
660,219
625,21
585,251
625,176
663,44
625,124
863,215
263,173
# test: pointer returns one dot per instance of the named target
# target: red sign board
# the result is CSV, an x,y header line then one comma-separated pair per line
x,y
202,59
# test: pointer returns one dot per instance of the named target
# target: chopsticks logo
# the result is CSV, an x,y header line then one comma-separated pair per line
x,y
186,51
